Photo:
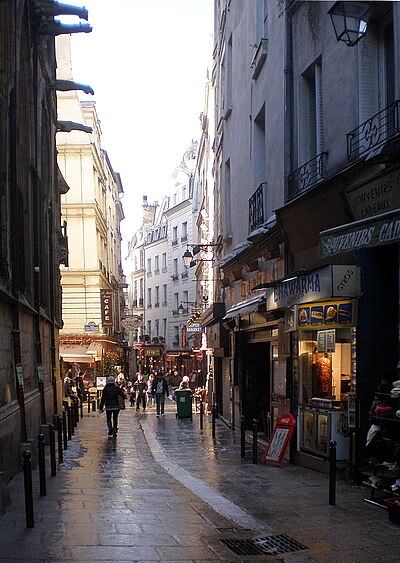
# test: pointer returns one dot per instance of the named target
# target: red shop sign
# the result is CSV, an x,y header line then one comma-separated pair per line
x,y
279,440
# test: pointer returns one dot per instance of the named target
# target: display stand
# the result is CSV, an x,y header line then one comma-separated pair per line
x,y
279,440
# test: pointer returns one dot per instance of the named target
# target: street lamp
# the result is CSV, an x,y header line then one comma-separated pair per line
x,y
188,259
349,21
181,309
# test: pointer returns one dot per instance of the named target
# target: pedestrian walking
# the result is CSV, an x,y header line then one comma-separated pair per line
x,y
80,390
160,389
113,399
150,397
140,387
132,394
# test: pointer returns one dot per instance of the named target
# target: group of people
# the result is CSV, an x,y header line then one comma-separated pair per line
x,y
141,393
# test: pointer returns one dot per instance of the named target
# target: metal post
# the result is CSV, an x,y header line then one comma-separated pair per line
x,y
213,413
88,402
76,409
255,453
42,466
332,472
64,427
201,415
72,412
242,437
60,439
69,420
53,464
27,465
81,406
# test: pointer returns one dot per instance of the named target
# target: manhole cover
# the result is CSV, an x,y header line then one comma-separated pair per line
x,y
270,545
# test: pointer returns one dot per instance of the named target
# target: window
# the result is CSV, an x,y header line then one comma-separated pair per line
x,y
157,329
164,262
259,147
184,232
165,328
149,328
141,259
156,264
176,301
175,267
310,115
149,297
228,216
165,295
148,265
141,289
375,70
157,296
174,235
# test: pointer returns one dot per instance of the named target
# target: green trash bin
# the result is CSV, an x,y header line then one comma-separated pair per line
x,y
183,398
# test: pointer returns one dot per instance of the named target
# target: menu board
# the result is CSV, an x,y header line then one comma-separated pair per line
x,y
331,314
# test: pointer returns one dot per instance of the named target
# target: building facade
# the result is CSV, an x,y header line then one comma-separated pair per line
x,y
307,141
93,300
32,241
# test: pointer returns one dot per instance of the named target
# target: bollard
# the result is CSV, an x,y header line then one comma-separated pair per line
x,y
42,466
76,412
60,439
255,456
242,437
93,405
69,421
201,415
53,464
213,412
88,403
81,406
27,465
72,411
64,428
332,472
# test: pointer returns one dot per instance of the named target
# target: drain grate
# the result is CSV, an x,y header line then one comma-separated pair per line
x,y
270,545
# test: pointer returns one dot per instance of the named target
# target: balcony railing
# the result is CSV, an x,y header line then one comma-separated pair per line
x,y
184,275
374,132
306,176
175,277
257,207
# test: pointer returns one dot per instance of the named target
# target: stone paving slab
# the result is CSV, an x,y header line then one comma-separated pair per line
x,y
160,492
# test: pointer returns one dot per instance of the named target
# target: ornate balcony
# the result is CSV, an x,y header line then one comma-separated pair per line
x,y
306,176
257,207
380,128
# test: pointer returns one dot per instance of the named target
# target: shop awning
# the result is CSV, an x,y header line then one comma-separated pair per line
x,y
244,307
95,350
77,353
366,233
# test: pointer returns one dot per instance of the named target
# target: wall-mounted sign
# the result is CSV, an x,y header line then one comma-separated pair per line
x,y
376,197
330,314
106,299
130,323
323,283
384,229
194,327
152,351
91,327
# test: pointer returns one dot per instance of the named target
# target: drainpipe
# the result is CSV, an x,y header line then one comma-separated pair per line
x,y
36,236
14,231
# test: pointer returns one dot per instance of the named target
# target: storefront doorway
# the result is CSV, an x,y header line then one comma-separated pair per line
x,y
256,384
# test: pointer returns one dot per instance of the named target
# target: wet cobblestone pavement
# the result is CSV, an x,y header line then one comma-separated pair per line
x,y
164,490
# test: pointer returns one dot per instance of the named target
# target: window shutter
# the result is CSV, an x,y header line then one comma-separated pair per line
x,y
368,91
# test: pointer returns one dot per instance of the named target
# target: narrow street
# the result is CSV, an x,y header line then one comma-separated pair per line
x,y
163,490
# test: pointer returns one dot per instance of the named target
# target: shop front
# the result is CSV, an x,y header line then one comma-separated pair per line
x,y
320,316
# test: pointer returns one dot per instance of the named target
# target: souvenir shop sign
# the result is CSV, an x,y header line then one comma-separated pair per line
x,y
329,314
334,281
279,440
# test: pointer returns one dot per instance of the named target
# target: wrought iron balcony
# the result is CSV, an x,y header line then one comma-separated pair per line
x,y
257,207
306,176
380,128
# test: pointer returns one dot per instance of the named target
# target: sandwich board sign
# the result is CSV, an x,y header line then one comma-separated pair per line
x,y
279,440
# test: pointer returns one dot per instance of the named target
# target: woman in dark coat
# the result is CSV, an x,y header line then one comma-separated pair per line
x,y
109,399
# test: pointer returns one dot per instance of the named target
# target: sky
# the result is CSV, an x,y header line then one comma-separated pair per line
x,y
147,62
